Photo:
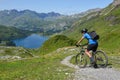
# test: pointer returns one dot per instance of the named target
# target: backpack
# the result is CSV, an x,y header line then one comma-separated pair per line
x,y
94,35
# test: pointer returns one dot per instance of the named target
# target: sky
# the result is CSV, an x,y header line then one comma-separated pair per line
x,y
67,7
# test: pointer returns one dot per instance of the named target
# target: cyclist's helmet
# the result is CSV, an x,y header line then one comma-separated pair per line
x,y
84,30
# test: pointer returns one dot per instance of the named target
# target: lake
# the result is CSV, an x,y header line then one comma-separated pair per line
x,y
32,41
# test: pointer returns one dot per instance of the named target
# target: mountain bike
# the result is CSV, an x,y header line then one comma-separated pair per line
x,y
99,56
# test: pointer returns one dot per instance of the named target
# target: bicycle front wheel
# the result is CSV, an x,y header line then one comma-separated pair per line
x,y
81,60
101,59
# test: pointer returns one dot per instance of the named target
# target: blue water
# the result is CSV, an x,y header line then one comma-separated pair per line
x,y
32,41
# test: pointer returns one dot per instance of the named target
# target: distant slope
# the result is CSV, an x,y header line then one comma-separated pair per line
x,y
31,20
9,33
27,19
41,22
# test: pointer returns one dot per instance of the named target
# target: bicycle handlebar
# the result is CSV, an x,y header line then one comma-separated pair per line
x,y
81,45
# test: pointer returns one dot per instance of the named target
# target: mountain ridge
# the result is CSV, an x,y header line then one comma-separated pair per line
x,y
41,15
41,22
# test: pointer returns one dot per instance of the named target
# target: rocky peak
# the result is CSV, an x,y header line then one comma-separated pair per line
x,y
116,2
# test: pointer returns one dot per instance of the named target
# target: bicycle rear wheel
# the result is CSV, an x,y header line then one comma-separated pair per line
x,y
81,60
101,59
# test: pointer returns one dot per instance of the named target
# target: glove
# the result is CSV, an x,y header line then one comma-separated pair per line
x,y
77,45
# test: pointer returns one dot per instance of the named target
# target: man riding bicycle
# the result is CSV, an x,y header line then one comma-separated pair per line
x,y
92,44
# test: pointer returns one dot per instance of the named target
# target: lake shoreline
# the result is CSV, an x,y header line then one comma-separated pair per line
x,y
31,41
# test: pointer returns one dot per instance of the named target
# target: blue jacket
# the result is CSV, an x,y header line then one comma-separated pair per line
x,y
90,40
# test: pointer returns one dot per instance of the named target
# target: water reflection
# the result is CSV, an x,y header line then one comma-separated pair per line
x,y
32,41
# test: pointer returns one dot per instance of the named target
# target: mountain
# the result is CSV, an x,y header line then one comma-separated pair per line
x,y
26,19
15,13
42,22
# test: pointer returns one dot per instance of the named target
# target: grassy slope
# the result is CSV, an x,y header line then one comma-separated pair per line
x,y
55,42
47,67
9,53
107,26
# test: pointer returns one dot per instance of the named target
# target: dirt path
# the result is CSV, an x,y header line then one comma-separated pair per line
x,y
92,73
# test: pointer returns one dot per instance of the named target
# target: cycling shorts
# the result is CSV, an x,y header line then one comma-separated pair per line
x,y
92,47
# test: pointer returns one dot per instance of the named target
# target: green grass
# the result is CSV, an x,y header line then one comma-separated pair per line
x,y
55,42
14,51
47,67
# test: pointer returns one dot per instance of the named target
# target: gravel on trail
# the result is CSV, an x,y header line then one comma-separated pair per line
x,y
90,73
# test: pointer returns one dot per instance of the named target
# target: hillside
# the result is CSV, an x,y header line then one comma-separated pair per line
x,y
106,23
9,33
55,42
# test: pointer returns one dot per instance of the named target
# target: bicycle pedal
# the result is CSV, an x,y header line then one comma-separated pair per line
x,y
95,65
